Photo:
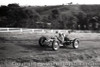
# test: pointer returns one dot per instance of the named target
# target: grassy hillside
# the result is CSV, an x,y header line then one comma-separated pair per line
x,y
82,17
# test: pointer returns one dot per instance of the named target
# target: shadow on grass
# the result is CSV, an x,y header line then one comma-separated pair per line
x,y
34,47
3,48
3,39
64,47
37,47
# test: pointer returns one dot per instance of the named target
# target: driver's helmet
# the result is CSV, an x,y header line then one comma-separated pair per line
x,y
63,34
69,32
56,32
60,33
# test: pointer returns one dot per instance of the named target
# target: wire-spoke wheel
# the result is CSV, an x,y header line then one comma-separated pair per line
x,y
55,45
75,43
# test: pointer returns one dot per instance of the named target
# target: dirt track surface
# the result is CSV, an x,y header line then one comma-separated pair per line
x,y
21,49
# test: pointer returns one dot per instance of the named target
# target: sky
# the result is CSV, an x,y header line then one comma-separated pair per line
x,y
48,2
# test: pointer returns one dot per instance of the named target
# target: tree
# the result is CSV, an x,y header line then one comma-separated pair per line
x,y
3,16
69,20
55,19
31,18
94,22
13,5
15,15
82,20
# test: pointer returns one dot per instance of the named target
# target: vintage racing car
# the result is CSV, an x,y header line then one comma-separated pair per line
x,y
55,43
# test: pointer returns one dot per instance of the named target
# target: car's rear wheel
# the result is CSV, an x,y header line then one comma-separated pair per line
x,y
41,41
75,43
55,45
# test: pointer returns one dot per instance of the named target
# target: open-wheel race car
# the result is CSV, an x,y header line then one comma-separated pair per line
x,y
55,43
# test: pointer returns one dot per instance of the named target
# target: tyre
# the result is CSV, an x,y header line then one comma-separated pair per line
x,y
55,45
75,43
41,41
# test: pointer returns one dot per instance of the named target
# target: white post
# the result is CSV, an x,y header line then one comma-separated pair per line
x,y
21,30
43,31
51,31
7,29
32,30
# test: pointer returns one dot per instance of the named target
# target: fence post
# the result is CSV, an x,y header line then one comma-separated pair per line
x,y
51,31
7,29
21,29
32,30
43,31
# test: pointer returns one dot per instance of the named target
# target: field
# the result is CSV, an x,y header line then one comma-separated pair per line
x,y
23,50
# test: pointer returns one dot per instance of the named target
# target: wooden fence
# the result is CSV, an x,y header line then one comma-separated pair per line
x,y
30,30
42,30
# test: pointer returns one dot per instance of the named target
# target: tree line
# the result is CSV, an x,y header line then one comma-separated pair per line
x,y
76,17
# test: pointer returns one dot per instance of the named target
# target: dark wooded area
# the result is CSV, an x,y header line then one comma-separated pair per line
x,y
80,17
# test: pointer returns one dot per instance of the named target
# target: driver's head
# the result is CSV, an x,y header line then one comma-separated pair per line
x,y
69,32
60,34
56,32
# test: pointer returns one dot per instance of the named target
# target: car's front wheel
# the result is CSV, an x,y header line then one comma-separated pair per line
x,y
55,45
75,43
